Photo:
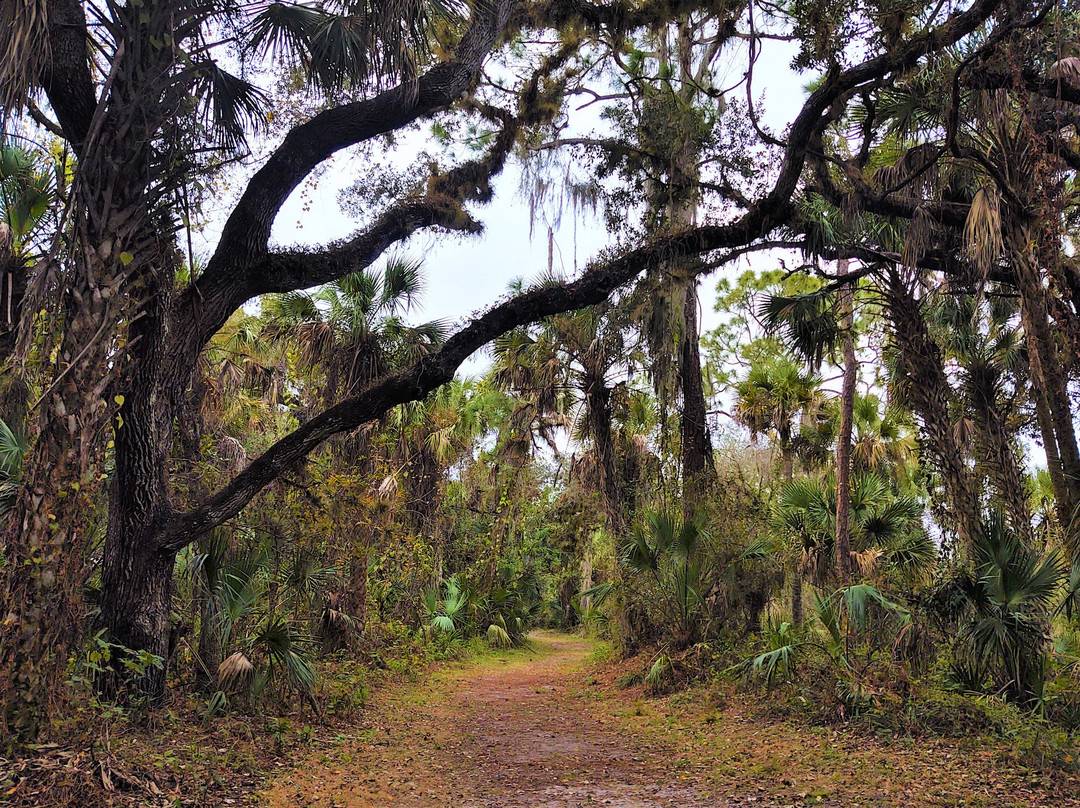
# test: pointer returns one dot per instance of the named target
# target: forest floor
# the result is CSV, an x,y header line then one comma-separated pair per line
x,y
549,727
558,724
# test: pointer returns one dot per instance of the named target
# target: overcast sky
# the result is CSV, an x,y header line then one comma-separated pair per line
x,y
466,274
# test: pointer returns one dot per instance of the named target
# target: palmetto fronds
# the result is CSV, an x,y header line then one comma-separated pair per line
x,y
24,50
230,105
808,322
1067,68
263,646
236,672
352,43
669,550
772,395
1010,594
28,188
287,654
880,520
14,445
779,658
503,614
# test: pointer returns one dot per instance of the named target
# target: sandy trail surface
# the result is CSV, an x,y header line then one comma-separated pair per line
x,y
521,732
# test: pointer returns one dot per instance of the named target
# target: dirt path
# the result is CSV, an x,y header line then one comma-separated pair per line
x,y
516,731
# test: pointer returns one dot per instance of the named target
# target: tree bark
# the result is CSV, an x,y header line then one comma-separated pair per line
x,y
209,647
598,404
1002,465
921,382
697,462
1049,384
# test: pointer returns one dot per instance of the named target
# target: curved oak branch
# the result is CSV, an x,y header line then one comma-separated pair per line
x,y
597,283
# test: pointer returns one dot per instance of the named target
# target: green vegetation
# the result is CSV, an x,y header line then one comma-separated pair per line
x,y
245,478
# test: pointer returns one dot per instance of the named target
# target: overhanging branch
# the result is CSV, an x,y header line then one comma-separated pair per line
x,y
598,282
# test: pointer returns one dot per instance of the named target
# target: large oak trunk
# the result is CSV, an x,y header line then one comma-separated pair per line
x,y
136,585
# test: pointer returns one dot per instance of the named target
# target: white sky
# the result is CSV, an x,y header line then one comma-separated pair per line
x,y
466,274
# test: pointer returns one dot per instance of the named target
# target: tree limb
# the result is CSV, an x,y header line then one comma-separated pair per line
x,y
67,80
597,283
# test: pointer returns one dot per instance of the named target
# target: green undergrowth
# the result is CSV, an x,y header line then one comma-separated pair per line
x,y
799,743
185,752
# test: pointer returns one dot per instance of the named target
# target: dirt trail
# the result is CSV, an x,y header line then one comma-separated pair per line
x,y
513,732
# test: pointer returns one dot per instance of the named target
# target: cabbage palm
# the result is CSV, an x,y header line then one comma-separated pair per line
x,y
436,433
242,377
1009,593
772,397
351,44
982,336
573,361
884,525
353,330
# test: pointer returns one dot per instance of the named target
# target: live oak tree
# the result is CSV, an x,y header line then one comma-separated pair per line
x,y
135,91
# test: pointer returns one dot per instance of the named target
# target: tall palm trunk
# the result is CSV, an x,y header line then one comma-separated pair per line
x,y
995,444
598,405
45,537
843,441
922,383
1047,366
698,469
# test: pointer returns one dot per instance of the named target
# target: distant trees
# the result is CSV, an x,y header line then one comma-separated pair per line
x,y
111,337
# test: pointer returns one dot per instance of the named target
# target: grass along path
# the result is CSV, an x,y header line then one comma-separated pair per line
x,y
516,730
543,727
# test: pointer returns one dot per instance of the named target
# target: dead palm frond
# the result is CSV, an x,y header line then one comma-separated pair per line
x,y
982,230
236,673
1067,68
233,450
388,488
24,50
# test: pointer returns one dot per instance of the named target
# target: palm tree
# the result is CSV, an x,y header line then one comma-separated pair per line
x,y
573,362
30,184
353,331
770,399
670,551
884,440
982,335
352,44
13,448
435,434
1009,595
885,525
816,324
244,377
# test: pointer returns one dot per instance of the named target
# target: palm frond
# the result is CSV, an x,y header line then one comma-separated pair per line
x,y
231,105
352,43
807,322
